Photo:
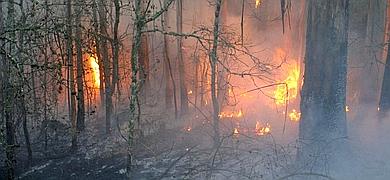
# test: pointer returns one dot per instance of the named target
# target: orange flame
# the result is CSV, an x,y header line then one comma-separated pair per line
x,y
95,71
288,90
258,3
231,114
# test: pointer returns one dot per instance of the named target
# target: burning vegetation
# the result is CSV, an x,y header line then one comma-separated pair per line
x,y
185,89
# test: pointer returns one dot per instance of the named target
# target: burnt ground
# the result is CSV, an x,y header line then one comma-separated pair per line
x,y
172,152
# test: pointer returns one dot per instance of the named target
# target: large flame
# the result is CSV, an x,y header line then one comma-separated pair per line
x,y
93,62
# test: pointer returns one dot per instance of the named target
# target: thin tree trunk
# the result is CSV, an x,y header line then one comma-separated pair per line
x,y
134,86
213,65
80,70
98,51
71,91
182,74
323,122
115,48
25,132
106,64
23,99
170,84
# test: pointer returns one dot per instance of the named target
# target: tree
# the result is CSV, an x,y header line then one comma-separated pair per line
x,y
182,74
9,91
71,90
374,40
214,73
106,63
323,96
141,19
80,69
170,84
384,102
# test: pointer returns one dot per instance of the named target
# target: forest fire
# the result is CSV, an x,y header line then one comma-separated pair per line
x,y
236,132
262,130
232,114
258,3
289,89
201,89
295,116
93,62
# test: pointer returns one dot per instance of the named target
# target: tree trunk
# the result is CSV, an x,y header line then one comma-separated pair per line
x,y
98,51
80,70
373,52
22,101
115,48
182,74
106,64
71,91
323,123
25,131
170,84
8,95
134,86
213,65
384,102
143,53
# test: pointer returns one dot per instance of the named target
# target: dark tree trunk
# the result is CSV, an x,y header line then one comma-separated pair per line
x,y
80,70
9,94
71,91
384,102
98,51
323,122
115,49
374,40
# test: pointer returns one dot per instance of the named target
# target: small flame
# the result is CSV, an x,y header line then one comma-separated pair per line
x,y
230,91
261,131
295,116
258,3
231,114
188,129
189,92
346,108
379,109
236,132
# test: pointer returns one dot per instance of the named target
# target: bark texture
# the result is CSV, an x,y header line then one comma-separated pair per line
x,y
323,121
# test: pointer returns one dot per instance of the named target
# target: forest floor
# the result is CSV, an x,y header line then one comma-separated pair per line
x,y
175,152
